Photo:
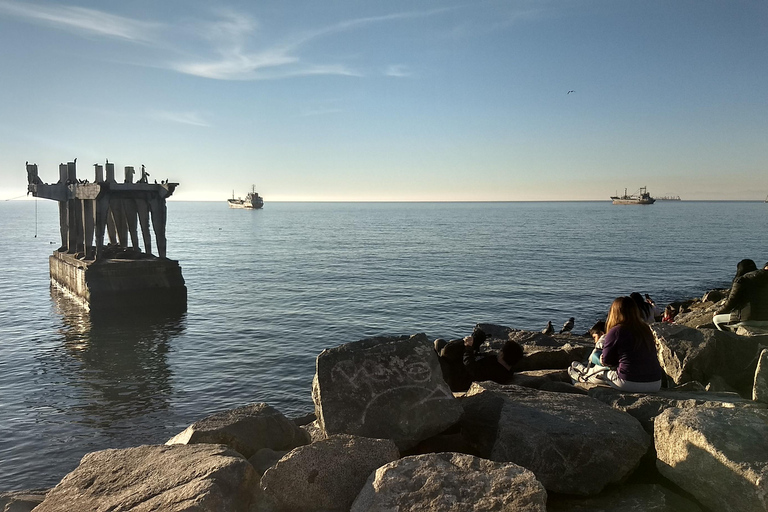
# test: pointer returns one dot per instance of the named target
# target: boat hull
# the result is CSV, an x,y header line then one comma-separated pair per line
x,y
633,201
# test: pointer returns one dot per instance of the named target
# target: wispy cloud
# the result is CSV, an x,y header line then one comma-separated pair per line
x,y
234,61
82,20
231,47
397,70
191,118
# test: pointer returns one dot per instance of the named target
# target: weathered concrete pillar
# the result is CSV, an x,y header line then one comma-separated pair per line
x,y
98,172
62,173
71,172
159,212
143,210
110,172
89,221
63,225
121,225
102,213
129,172
129,210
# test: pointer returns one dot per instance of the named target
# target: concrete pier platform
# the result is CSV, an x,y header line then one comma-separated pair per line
x,y
149,283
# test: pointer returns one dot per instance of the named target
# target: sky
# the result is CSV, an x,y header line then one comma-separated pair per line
x,y
341,100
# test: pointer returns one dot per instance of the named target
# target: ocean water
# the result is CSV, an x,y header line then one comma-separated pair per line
x,y
269,289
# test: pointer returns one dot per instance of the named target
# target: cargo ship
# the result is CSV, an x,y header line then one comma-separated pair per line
x,y
252,201
642,197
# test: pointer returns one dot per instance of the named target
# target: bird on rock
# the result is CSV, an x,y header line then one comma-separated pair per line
x,y
548,329
567,326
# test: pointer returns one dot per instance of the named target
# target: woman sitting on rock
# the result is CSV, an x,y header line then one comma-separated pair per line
x,y
629,350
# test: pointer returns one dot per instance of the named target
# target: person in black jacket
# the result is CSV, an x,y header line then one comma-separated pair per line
x,y
497,367
462,362
747,301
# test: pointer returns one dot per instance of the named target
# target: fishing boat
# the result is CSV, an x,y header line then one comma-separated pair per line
x,y
252,201
642,197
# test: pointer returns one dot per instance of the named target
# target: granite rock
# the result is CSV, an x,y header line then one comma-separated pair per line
x,y
450,482
760,386
573,443
646,406
629,498
387,387
246,429
21,501
326,475
718,455
198,478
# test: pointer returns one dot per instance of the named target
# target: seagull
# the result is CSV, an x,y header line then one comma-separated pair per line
x,y
569,92
548,329
567,326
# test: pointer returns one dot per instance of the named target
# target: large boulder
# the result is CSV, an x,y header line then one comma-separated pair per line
x,y
326,475
246,429
760,385
645,407
698,314
21,501
544,351
448,482
688,354
387,387
629,498
169,478
573,443
720,456
685,353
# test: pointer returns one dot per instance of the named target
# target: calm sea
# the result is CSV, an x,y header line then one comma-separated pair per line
x,y
268,290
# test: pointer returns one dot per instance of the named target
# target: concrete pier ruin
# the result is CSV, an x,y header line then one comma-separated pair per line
x,y
116,275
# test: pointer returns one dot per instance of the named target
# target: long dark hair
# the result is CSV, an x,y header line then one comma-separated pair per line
x,y
743,267
645,308
625,312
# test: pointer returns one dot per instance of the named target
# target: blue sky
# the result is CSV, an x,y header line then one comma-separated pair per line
x,y
397,100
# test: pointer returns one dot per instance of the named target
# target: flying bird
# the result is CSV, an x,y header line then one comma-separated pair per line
x,y
567,326
569,92
548,329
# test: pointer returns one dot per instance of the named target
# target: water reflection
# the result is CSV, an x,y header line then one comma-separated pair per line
x,y
121,362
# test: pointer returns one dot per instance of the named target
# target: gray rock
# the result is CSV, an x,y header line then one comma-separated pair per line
x,y
388,388
21,501
265,458
716,295
314,431
645,407
573,444
536,378
246,429
698,314
450,482
630,498
717,384
718,455
688,354
760,386
169,478
685,353
326,475
557,351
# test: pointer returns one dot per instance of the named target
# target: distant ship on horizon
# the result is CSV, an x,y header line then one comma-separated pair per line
x,y
668,198
642,197
252,201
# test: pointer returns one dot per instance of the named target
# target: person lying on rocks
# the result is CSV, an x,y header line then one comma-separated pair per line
x,y
747,300
497,367
629,352
462,361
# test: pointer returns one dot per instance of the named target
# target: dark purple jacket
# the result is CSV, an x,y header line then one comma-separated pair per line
x,y
633,364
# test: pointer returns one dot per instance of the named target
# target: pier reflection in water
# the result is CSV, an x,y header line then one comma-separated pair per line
x,y
122,357
106,383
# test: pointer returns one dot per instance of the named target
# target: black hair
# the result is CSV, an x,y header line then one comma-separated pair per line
x,y
511,353
598,328
744,266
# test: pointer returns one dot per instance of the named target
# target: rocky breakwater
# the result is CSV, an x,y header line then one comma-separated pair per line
x,y
388,434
